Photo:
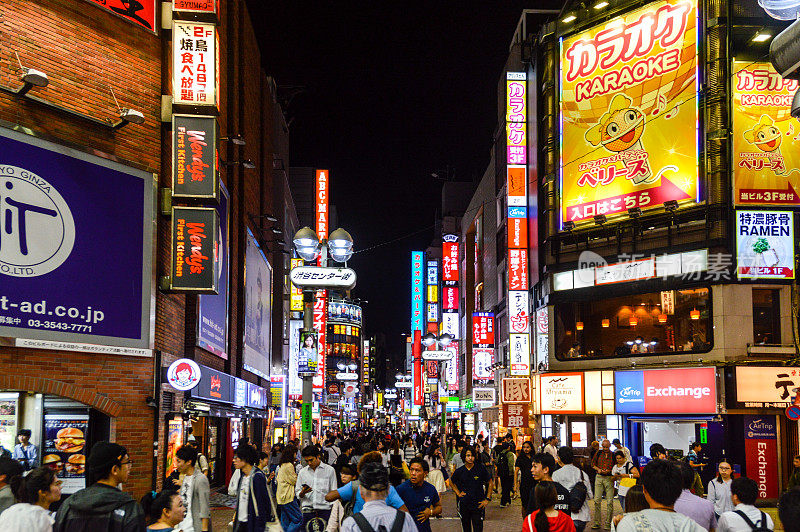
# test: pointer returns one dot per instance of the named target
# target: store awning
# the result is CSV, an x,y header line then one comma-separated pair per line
x,y
671,419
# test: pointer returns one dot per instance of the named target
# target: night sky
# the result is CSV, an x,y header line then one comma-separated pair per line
x,y
392,93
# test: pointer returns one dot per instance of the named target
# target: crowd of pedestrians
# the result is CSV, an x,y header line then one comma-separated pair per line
x,y
378,480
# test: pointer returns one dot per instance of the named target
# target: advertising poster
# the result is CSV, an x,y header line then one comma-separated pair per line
x,y
8,420
61,277
761,452
629,114
764,245
766,139
451,370
483,328
142,12
65,449
212,310
308,353
482,359
542,338
520,354
295,382
257,309
277,388
174,441
766,387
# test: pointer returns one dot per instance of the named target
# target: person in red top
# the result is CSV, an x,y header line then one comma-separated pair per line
x,y
547,518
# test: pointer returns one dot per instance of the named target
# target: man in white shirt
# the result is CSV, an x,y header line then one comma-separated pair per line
x,y
314,482
745,516
552,447
568,476
194,491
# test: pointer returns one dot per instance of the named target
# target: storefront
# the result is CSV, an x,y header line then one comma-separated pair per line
x,y
62,429
674,407
220,410
765,439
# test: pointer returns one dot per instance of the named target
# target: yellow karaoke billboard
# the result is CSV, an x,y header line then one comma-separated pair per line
x,y
629,112
766,139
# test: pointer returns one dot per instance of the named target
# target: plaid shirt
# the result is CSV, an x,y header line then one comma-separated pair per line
x,y
604,459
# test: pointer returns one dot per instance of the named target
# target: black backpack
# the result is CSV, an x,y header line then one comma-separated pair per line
x,y
364,525
577,495
762,525
502,464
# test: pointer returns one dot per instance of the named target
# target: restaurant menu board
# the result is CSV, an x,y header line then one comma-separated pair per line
x,y
8,423
65,449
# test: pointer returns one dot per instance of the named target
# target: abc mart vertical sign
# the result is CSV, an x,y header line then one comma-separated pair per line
x,y
76,249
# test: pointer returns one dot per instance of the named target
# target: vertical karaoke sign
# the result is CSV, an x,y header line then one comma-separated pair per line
x,y
417,318
517,190
321,220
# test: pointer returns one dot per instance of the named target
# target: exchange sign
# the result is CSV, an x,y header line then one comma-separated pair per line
x,y
629,112
766,139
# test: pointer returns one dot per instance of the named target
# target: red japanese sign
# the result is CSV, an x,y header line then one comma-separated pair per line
x,y
517,233
432,369
483,328
518,269
450,298
515,416
450,261
516,390
142,13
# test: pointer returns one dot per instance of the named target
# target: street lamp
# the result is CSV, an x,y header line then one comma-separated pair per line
x,y
340,245
306,243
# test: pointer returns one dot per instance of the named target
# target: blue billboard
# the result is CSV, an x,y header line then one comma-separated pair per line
x,y
76,255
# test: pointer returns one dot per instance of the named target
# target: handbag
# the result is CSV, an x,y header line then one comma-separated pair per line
x,y
626,483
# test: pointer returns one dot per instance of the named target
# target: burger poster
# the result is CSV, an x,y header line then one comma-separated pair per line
x,y
65,449
766,139
629,112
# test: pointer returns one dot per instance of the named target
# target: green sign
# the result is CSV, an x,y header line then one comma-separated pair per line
x,y
703,435
468,404
305,418
444,419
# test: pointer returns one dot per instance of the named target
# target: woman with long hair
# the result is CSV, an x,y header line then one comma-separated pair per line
x,y
291,517
164,510
547,518
382,448
719,489
35,493
451,449
523,465
437,465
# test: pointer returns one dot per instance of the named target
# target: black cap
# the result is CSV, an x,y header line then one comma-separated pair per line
x,y
374,477
104,454
615,441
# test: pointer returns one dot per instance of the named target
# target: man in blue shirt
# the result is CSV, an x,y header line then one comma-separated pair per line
x,y
345,493
25,452
421,498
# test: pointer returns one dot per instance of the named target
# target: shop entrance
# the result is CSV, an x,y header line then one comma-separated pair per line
x,y
676,434
581,432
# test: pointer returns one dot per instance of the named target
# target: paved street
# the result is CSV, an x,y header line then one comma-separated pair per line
x,y
497,519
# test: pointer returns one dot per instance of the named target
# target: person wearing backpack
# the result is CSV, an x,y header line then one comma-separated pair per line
x,y
377,516
505,472
543,468
547,517
745,517
574,479
350,495
102,506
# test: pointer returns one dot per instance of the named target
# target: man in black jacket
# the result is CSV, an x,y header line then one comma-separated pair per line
x,y
102,506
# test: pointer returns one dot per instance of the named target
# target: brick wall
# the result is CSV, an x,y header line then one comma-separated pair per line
x,y
85,50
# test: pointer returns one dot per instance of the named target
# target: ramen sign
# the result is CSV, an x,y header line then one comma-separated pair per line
x,y
629,112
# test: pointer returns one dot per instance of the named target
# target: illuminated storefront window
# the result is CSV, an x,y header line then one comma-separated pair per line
x,y
670,321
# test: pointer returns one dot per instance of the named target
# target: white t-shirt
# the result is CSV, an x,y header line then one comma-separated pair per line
x,y
187,488
657,521
244,494
24,517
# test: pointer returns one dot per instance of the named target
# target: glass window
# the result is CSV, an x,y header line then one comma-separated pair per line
x,y
614,428
547,426
766,316
671,321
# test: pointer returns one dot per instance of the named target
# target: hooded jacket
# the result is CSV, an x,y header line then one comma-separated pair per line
x,y
100,508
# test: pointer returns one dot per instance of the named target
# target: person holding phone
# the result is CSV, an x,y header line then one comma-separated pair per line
x,y
314,481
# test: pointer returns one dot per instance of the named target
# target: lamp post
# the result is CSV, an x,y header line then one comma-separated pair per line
x,y
310,247
443,340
